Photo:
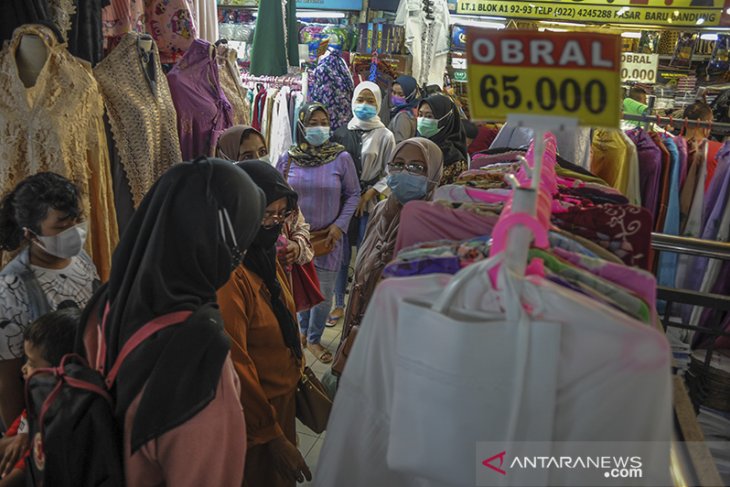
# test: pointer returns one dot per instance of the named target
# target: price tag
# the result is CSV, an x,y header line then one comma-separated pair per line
x,y
641,68
562,74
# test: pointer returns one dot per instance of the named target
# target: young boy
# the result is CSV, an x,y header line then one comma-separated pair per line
x,y
47,340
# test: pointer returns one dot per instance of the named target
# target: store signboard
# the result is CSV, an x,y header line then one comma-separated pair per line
x,y
330,4
641,68
674,13
560,74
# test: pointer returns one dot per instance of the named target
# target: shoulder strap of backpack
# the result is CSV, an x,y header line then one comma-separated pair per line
x,y
149,329
37,301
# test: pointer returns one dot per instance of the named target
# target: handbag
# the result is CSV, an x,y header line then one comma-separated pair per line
x,y
312,402
343,351
320,242
305,286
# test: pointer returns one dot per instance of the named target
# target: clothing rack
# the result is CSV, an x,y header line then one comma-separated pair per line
x,y
716,128
701,248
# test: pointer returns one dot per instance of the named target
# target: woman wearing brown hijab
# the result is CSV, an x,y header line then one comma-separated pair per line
x,y
414,174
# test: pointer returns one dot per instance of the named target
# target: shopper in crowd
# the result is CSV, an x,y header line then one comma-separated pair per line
x,y
241,143
324,176
45,343
244,143
404,100
701,112
259,315
439,121
415,172
42,217
189,233
371,144
635,104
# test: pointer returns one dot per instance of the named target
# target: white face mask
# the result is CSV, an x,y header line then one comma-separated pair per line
x,y
66,244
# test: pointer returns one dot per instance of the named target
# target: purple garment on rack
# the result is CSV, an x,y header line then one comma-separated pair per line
x,y
327,194
332,86
203,111
650,169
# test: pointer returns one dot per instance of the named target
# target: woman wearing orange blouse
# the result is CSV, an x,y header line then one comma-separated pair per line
x,y
259,316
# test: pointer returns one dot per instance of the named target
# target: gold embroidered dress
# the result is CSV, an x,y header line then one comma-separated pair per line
x,y
141,113
57,125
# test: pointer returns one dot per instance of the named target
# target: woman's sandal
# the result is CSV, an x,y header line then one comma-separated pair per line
x,y
323,355
335,316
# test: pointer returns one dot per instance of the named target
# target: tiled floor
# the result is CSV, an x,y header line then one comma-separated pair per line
x,y
310,443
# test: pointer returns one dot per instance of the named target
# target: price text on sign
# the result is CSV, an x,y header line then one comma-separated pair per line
x,y
544,73
663,12
639,67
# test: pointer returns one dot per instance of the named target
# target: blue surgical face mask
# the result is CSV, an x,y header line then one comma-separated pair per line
x,y
317,135
365,111
407,187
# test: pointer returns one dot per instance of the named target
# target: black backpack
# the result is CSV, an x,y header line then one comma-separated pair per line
x,y
71,414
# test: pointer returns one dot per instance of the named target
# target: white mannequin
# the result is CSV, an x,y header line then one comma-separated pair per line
x,y
30,58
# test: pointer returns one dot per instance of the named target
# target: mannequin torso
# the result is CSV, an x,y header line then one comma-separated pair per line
x,y
30,58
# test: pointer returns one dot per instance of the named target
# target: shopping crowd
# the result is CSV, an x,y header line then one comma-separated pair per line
x,y
216,246
248,259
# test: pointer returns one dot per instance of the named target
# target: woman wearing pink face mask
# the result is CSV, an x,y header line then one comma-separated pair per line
x,y
42,217
404,102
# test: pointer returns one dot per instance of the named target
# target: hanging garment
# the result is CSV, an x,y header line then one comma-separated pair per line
x,y
332,86
57,125
203,111
610,159
84,35
650,169
230,79
427,38
573,145
280,138
169,22
415,363
663,182
667,264
682,148
14,13
141,113
206,19
276,39
633,189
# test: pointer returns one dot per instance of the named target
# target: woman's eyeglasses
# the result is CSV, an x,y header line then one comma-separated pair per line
x,y
271,219
411,167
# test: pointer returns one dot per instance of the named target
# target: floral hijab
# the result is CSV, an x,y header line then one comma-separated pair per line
x,y
303,153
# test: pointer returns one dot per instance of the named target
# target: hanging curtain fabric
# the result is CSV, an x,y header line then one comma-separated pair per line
x,y
276,39
206,19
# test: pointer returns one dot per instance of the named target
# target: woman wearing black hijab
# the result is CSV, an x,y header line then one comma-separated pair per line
x,y
177,393
439,121
259,314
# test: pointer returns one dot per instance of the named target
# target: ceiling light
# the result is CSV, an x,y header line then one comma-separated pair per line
x,y
700,21
319,14
476,23
631,35
708,37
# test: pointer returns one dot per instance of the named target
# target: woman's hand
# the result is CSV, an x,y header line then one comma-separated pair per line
x,y
333,236
288,461
292,252
364,200
13,453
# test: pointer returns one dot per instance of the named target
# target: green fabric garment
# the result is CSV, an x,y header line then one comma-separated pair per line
x,y
269,53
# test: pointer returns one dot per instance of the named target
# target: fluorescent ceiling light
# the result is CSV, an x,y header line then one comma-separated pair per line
x,y
319,14
708,37
566,24
483,25
700,21
631,35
